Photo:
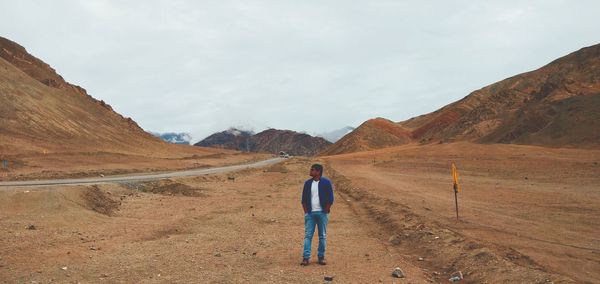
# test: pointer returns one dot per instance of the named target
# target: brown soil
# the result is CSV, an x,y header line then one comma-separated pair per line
x,y
167,187
99,201
247,229
527,213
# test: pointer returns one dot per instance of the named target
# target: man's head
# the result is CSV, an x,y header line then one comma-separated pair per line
x,y
316,171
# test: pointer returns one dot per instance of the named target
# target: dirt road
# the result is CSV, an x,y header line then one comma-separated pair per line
x,y
142,177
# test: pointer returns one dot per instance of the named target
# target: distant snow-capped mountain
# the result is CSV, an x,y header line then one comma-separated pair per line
x,y
175,138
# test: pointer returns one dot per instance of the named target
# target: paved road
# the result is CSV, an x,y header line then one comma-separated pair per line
x,y
142,177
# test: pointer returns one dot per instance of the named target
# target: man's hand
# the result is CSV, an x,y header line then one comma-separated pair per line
x,y
327,208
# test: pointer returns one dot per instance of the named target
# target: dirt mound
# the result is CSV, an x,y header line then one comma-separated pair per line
x,y
372,134
167,187
100,201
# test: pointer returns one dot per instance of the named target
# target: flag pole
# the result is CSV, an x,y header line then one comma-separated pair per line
x,y
455,187
456,199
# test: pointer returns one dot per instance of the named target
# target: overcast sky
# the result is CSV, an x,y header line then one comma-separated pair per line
x,y
313,66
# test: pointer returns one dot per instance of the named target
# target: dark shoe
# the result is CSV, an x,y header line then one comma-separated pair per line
x,y
304,262
322,261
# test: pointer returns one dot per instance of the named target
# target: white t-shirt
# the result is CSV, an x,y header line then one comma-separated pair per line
x,y
314,196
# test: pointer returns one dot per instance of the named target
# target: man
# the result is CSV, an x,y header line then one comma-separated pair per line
x,y
317,198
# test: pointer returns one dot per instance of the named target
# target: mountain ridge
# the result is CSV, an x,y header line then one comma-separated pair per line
x,y
270,140
555,106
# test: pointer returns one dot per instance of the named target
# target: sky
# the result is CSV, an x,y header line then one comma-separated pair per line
x,y
310,66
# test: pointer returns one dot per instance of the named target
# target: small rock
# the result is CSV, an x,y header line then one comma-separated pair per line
x,y
217,254
398,273
457,276
64,268
328,278
31,227
395,240
421,259
102,175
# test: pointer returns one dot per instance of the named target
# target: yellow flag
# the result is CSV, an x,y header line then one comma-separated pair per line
x,y
455,177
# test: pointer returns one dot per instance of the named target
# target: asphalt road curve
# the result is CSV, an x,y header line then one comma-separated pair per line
x,y
141,177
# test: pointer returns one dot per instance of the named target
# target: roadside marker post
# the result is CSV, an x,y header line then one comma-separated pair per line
x,y
456,187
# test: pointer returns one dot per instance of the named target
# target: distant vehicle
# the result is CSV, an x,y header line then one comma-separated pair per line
x,y
283,155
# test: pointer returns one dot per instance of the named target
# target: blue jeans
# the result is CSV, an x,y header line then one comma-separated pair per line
x,y
319,219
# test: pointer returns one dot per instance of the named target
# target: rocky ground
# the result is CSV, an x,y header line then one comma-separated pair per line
x,y
528,215
241,227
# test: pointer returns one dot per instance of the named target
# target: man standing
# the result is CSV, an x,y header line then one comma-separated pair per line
x,y
317,198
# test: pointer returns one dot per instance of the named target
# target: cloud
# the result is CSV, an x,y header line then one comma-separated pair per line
x,y
314,66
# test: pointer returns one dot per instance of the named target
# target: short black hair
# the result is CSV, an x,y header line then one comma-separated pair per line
x,y
317,167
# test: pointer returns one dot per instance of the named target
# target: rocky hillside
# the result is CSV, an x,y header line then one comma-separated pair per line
x,y
556,105
231,138
41,112
372,134
270,141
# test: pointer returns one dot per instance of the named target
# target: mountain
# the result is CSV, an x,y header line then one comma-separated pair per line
x,y
291,142
41,112
270,140
372,134
231,138
556,105
175,138
335,135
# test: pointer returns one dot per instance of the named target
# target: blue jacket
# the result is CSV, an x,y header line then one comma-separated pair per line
x,y
325,195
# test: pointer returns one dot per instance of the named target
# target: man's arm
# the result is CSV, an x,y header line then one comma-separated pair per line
x,y
329,198
304,206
